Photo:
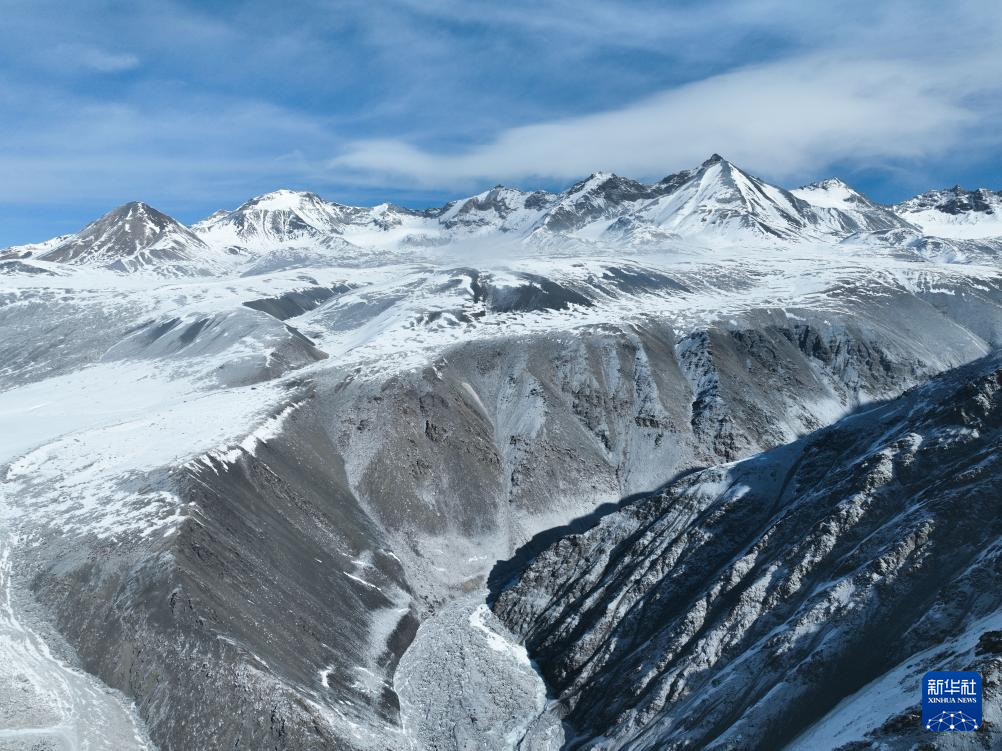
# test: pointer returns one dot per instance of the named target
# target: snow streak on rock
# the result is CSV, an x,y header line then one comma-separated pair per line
x,y
796,596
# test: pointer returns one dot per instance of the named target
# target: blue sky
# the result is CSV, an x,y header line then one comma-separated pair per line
x,y
195,106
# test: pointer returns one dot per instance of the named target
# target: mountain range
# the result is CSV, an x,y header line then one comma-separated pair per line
x,y
714,203
703,463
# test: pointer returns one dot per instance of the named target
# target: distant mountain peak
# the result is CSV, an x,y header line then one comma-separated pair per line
x,y
283,199
955,212
833,193
594,180
129,237
122,218
275,218
133,206
831,182
139,210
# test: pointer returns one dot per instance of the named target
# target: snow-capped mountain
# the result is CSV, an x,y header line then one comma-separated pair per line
x,y
714,204
498,209
720,201
955,213
854,212
261,476
274,219
593,203
133,237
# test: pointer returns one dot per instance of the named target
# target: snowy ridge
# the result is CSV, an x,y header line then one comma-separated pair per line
x,y
714,203
955,213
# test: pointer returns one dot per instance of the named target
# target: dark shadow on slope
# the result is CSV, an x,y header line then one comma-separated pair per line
x,y
943,398
507,572
297,302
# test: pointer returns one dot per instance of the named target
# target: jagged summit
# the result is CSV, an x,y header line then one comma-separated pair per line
x,y
501,208
279,217
955,212
137,214
715,203
831,183
955,200
833,193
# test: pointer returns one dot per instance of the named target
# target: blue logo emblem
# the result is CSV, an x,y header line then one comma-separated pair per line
x,y
951,700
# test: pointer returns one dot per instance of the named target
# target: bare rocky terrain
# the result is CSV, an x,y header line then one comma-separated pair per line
x,y
765,603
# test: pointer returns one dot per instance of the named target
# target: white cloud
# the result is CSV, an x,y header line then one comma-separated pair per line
x,y
94,58
781,119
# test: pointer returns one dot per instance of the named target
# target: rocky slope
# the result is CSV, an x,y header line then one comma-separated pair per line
x,y
767,603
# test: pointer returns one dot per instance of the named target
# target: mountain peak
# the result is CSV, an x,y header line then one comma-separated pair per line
x,y
140,207
135,206
133,211
597,178
831,182
833,193
723,170
955,213
282,199
131,236
590,183
274,218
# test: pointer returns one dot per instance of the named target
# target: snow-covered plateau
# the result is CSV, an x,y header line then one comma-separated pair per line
x,y
703,462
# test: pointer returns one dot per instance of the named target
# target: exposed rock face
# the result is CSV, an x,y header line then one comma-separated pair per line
x,y
955,200
739,605
955,212
263,620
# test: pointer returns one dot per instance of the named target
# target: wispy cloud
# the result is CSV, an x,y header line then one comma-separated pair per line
x,y
70,148
782,118
93,58
879,84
